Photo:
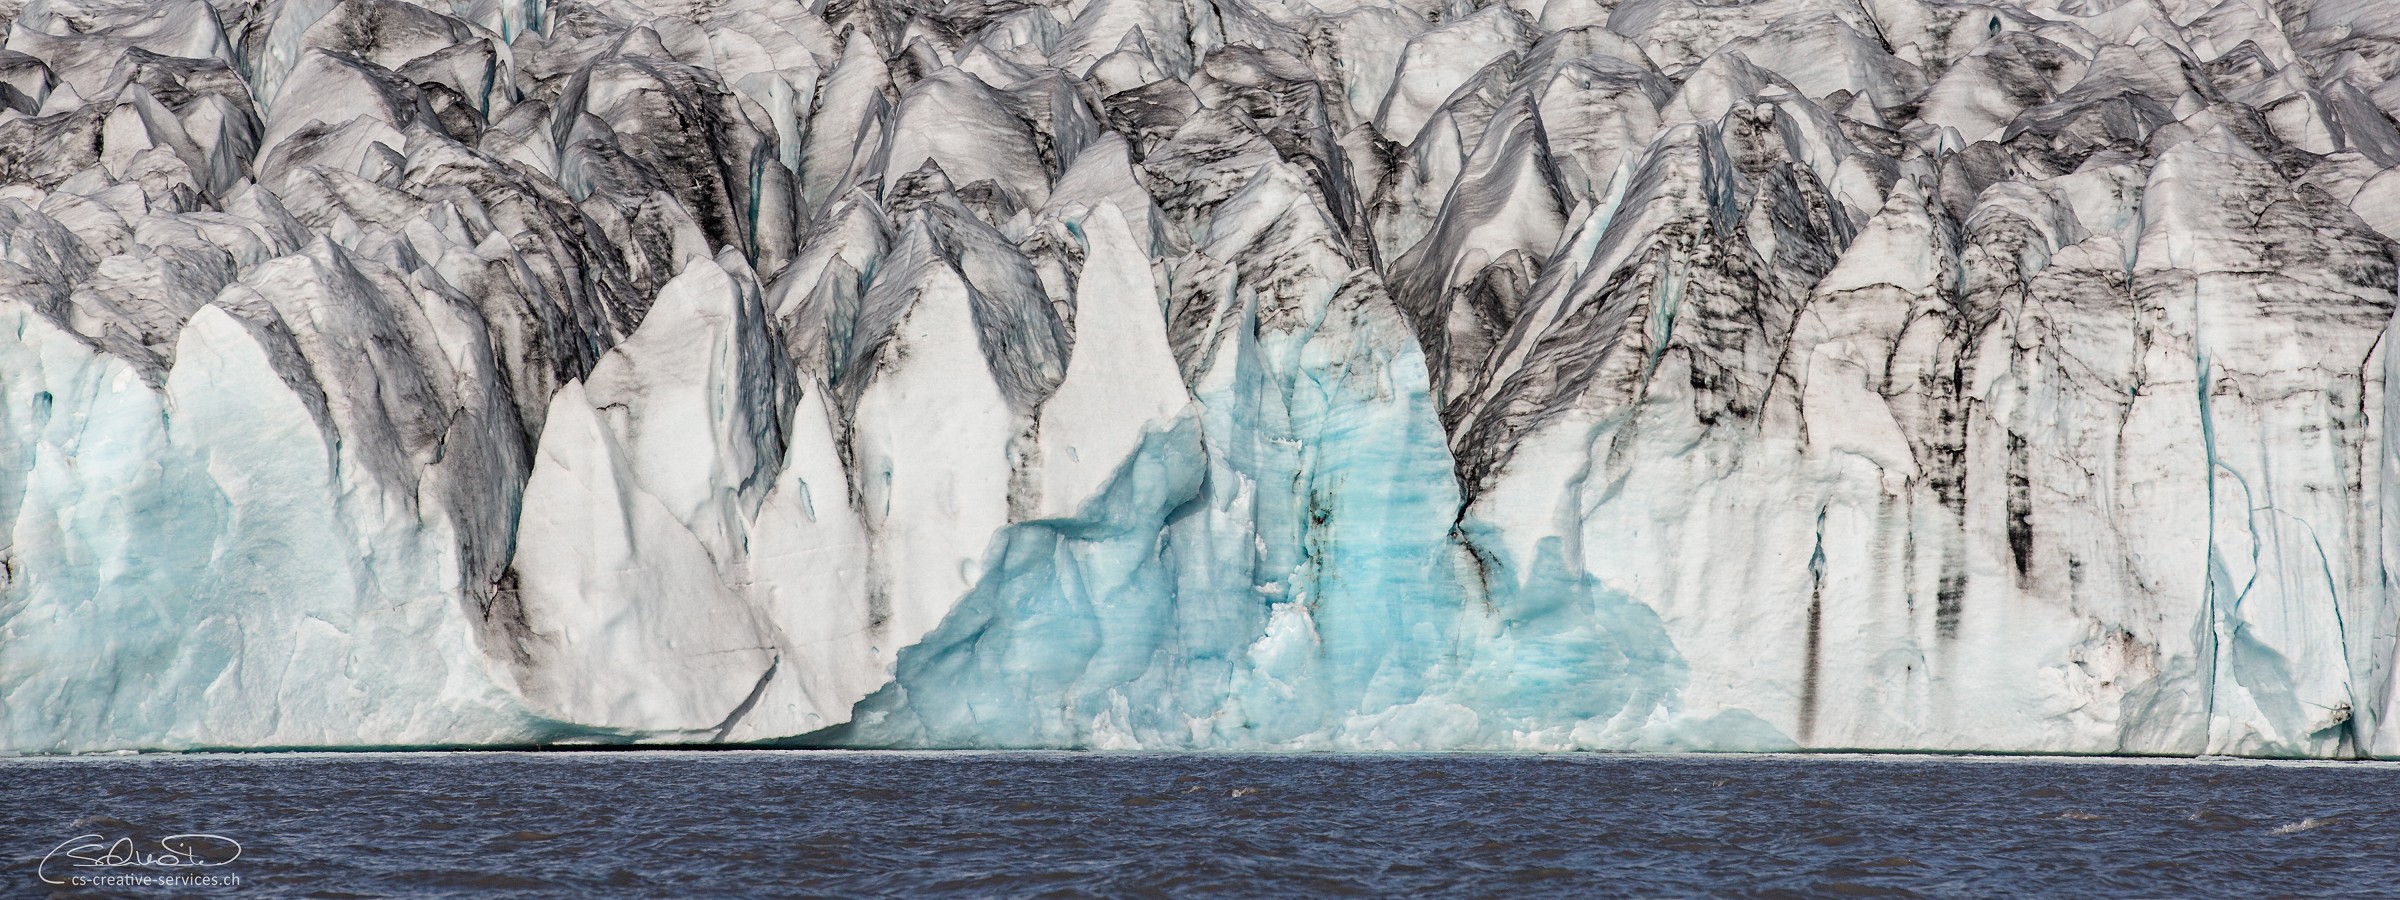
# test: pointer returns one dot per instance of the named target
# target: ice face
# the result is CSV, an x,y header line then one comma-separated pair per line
x,y
1649,374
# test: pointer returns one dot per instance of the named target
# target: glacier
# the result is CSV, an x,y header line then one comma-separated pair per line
x,y
1708,375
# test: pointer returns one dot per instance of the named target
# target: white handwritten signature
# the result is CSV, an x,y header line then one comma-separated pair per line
x,y
175,851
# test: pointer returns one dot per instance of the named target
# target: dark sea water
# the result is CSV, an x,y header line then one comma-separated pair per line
x,y
799,823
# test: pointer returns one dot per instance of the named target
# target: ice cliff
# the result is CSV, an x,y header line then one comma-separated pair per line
x,y
1417,374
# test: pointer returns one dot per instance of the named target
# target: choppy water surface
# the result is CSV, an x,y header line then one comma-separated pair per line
x,y
786,823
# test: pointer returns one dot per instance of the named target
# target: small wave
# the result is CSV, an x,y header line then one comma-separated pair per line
x,y
2307,824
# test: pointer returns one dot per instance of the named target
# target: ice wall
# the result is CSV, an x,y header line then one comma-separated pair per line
x,y
1555,374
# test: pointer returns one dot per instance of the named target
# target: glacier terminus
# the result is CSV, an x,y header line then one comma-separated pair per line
x,y
1928,375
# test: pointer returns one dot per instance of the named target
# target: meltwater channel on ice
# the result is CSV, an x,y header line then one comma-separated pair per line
x,y
1997,375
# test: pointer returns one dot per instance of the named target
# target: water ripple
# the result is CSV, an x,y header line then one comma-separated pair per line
x,y
920,825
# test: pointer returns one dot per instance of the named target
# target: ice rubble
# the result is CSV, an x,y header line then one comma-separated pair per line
x,y
1610,374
